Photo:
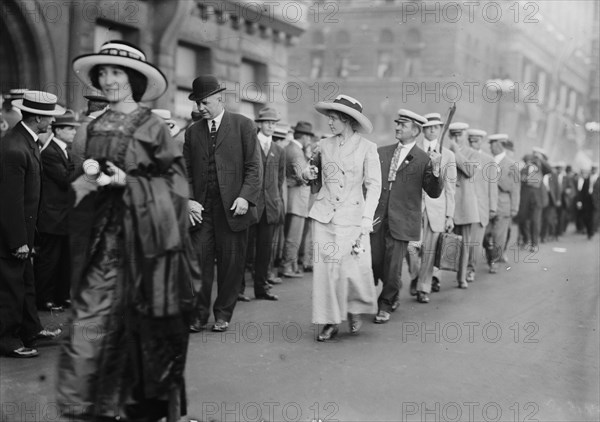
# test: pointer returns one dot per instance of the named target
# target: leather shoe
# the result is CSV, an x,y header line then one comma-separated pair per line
x,y
435,284
422,297
329,332
243,298
274,281
220,326
196,326
308,268
493,269
463,285
22,353
291,274
396,303
51,307
470,276
266,296
413,287
382,317
47,334
355,323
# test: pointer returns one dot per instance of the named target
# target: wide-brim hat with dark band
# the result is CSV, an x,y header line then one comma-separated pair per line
x,y
350,106
433,119
120,53
267,114
303,127
204,86
40,103
410,116
67,119
15,94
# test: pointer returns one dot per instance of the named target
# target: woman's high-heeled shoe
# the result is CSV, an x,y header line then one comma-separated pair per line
x,y
355,323
329,332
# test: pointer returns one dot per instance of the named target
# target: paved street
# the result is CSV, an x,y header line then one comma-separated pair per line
x,y
521,345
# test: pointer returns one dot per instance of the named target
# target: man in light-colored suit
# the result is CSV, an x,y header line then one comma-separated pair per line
x,y
486,189
438,215
406,171
466,211
509,195
297,198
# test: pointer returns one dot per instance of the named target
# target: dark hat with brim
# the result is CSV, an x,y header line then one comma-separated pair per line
x,y
204,86
350,106
120,53
303,127
40,103
267,114
67,119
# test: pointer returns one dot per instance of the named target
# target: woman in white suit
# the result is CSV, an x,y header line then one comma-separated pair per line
x,y
350,184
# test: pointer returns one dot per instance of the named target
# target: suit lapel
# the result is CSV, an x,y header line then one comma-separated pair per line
x,y
58,150
407,159
35,149
223,130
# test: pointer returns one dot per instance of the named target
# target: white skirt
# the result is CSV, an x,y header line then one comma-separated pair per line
x,y
342,282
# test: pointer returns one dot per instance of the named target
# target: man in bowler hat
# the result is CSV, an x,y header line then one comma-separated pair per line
x,y
225,173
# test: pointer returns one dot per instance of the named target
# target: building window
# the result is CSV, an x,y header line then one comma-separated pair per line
x,y
384,65
316,65
386,36
342,65
253,87
190,61
107,31
342,37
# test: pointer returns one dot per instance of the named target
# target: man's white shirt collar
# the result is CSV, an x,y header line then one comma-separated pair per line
x,y
216,119
297,143
499,157
430,144
264,139
31,132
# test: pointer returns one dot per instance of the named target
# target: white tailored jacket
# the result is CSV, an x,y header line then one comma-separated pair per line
x,y
351,181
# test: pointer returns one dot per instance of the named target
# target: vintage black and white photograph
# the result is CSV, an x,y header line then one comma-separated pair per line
x,y
299,210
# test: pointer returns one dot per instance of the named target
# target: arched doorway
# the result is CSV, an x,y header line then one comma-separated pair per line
x,y
21,64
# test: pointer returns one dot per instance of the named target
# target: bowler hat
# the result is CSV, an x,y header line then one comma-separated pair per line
x,y
267,114
303,127
204,86
67,119
40,103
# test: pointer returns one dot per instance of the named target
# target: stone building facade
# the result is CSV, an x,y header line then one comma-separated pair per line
x,y
244,43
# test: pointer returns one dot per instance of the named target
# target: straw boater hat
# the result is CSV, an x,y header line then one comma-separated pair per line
x,y
40,103
458,126
433,119
350,106
67,119
501,137
410,116
15,94
267,114
120,53
476,132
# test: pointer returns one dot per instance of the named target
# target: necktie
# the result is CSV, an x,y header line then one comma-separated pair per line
x,y
68,151
429,149
213,133
395,163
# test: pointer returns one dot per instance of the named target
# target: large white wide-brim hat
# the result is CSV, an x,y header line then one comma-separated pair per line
x,y
350,106
119,53
40,103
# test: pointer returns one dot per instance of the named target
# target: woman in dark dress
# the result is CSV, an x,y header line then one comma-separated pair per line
x,y
132,258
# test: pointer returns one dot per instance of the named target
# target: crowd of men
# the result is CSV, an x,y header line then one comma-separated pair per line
x,y
485,190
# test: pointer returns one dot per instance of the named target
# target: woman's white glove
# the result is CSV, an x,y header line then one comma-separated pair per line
x,y
366,226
